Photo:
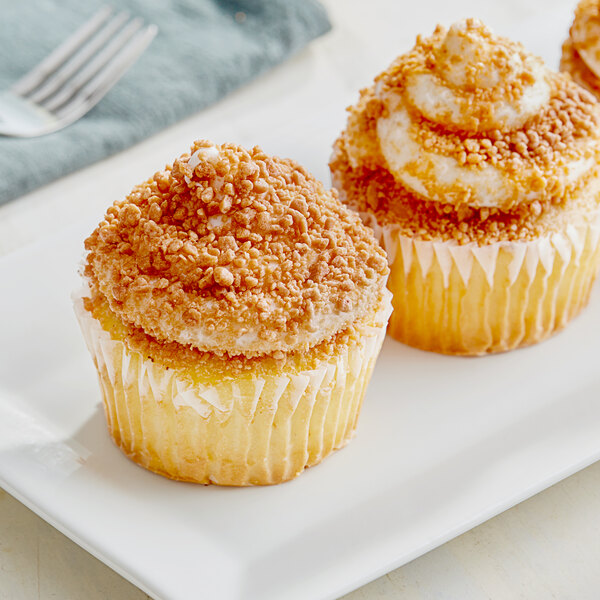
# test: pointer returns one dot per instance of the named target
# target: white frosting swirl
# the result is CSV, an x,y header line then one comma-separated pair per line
x,y
470,82
441,178
470,60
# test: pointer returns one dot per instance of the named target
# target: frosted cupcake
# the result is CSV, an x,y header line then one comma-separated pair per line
x,y
477,168
581,50
234,310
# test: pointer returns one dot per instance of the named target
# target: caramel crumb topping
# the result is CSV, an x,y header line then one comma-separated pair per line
x,y
534,155
376,192
549,139
235,252
479,67
432,175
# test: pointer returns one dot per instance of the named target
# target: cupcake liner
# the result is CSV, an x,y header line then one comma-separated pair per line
x,y
248,430
474,300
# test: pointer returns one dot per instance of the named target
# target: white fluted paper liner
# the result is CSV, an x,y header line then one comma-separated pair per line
x,y
247,430
474,299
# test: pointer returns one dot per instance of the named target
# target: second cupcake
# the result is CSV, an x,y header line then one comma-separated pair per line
x,y
580,51
477,167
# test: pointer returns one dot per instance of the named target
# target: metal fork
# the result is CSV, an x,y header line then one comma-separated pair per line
x,y
75,76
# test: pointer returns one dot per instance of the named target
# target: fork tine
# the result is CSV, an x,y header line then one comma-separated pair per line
x,y
94,66
101,83
59,77
49,64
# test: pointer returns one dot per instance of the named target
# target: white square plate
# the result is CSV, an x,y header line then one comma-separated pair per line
x,y
443,444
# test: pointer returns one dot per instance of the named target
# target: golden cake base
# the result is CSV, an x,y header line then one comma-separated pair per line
x,y
470,300
244,430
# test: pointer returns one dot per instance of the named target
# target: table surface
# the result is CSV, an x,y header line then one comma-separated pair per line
x,y
546,547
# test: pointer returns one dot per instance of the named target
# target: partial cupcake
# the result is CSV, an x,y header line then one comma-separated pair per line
x,y
477,168
581,50
234,310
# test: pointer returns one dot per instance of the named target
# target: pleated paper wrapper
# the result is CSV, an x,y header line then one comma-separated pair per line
x,y
248,430
472,300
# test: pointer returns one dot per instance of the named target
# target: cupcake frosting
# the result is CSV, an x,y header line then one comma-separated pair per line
x,y
470,118
471,80
234,252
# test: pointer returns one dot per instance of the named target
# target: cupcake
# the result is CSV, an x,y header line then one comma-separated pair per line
x,y
581,50
234,310
477,168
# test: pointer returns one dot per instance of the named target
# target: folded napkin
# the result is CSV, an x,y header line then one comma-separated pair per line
x,y
203,50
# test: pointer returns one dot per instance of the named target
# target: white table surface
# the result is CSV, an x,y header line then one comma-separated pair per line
x,y
546,547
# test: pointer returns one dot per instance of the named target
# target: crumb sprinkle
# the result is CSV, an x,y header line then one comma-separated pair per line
x,y
535,156
236,245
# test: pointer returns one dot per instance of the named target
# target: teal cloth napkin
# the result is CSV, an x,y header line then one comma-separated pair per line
x,y
203,50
